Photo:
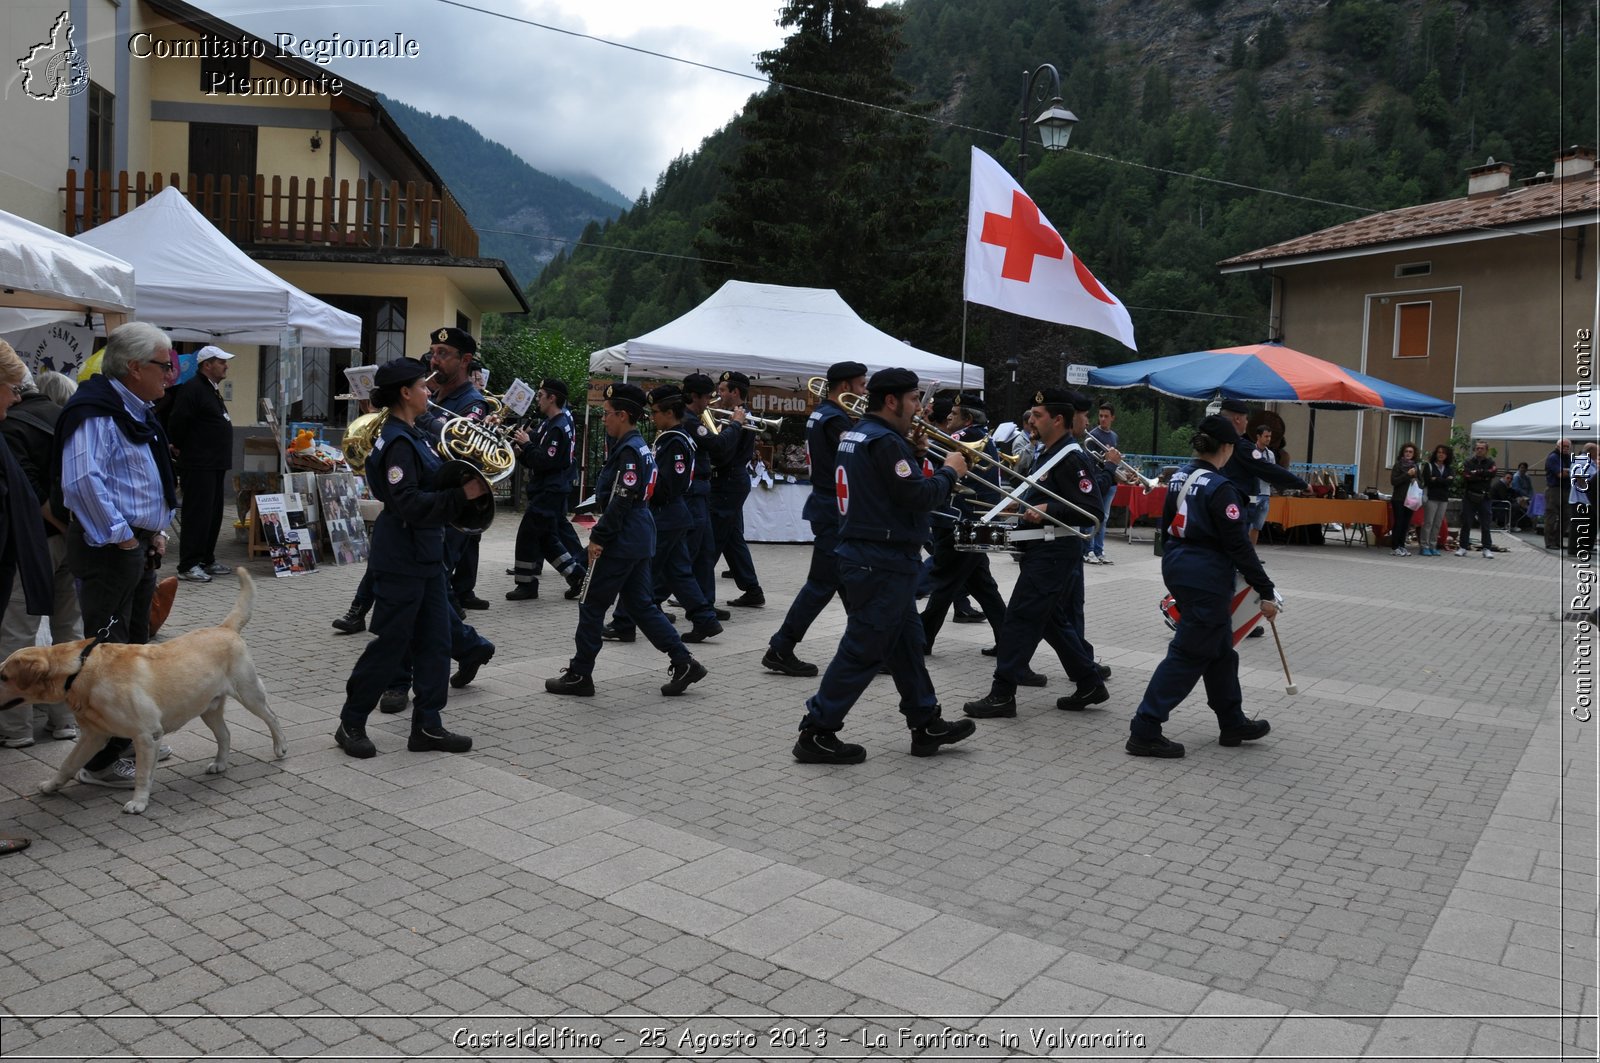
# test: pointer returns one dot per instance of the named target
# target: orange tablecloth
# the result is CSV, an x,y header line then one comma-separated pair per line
x,y
1293,512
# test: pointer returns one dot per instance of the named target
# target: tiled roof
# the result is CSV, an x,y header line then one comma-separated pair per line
x,y
1511,208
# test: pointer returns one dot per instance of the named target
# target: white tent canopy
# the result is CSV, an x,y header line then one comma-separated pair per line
x,y
777,336
1567,417
196,285
47,277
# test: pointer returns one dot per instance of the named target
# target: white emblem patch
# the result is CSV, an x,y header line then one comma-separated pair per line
x,y
679,466
396,474
902,469
1084,485
1232,511
630,478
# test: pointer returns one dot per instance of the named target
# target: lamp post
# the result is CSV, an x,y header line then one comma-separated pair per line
x,y
1053,121
1011,383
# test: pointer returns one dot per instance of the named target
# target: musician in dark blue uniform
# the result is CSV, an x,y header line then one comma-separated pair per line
x,y
826,424
408,576
671,574
1207,540
732,450
620,548
550,458
884,501
1047,602
961,572
698,391
451,353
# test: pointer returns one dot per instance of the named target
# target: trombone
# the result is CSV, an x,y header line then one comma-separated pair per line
x,y
1009,483
1097,450
853,404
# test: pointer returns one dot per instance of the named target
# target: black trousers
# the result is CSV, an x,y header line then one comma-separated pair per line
x,y
202,516
957,572
113,583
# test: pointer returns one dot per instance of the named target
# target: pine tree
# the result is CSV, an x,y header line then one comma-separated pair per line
x,y
828,193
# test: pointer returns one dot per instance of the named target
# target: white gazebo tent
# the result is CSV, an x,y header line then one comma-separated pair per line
x,y
778,336
1566,417
197,286
46,277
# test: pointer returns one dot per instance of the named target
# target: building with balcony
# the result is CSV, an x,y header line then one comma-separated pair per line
x,y
304,170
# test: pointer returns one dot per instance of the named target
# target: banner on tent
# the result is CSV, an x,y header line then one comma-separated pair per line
x,y
60,346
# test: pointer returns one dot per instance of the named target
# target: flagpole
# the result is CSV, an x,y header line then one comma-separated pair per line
x,y
962,387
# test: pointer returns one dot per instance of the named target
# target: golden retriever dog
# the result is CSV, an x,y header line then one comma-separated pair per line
x,y
145,692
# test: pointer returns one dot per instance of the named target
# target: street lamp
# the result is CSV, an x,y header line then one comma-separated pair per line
x,y
1053,121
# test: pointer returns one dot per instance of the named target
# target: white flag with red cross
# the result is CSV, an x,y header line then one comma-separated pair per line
x,y
1017,261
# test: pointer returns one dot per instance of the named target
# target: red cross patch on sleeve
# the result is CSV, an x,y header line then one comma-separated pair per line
x,y
1232,511
1084,485
630,478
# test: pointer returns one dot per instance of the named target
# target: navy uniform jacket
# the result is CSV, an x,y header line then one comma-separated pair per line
x,y
408,538
884,500
1246,470
625,528
549,458
823,428
674,456
731,450
1206,536
1073,478
702,456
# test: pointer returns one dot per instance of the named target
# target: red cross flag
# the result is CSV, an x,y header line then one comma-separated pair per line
x,y
1017,261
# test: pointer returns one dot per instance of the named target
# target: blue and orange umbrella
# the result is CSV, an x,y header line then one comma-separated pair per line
x,y
1268,372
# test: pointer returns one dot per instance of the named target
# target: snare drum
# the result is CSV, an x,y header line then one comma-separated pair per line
x,y
976,536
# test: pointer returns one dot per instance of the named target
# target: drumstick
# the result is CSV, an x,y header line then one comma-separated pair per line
x,y
1289,687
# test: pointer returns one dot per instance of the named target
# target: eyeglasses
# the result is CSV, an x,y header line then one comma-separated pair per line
x,y
166,367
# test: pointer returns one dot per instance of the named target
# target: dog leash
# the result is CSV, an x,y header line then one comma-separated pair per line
x,y
101,636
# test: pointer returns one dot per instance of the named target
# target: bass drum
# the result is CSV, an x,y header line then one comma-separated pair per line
x,y
973,536
478,513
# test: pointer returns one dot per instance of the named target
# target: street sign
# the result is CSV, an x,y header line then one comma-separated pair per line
x,y
1078,374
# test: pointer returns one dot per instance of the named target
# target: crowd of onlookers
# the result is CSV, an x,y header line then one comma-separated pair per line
x,y
1493,498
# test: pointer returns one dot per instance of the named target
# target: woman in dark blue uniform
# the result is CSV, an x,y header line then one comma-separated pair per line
x,y
1207,540
411,611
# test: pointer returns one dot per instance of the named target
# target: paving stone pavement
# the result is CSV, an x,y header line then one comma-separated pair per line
x,y
1404,868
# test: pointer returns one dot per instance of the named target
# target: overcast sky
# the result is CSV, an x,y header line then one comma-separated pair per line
x,y
562,103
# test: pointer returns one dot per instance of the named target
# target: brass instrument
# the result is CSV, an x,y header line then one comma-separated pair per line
x,y
359,437
1097,449
942,443
855,405
752,423
478,443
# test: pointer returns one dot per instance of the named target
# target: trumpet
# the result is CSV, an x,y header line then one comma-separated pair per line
x,y
1097,449
716,420
1008,483
853,404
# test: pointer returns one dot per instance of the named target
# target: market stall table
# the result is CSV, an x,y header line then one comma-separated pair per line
x,y
1293,512
772,514
1138,503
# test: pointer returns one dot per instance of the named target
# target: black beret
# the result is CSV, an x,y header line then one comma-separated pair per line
x,y
941,408
626,397
839,371
398,372
734,379
1060,400
668,393
552,385
892,382
698,384
1234,406
1219,428
970,402
454,337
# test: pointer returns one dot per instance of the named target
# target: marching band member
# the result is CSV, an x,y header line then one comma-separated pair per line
x,y
545,534
451,355
1204,522
1249,473
671,573
731,452
1047,602
410,617
620,547
826,424
884,502
957,572
697,392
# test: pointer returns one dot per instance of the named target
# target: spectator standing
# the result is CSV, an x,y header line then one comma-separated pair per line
x,y
202,440
1478,472
1405,473
1557,479
1105,479
1436,475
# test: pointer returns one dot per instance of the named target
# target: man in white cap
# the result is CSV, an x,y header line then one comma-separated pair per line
x,y
201,433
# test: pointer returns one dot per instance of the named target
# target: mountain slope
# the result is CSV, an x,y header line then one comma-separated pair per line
x,y
498,190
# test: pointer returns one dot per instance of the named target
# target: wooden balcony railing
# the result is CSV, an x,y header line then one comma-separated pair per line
x,y
268,211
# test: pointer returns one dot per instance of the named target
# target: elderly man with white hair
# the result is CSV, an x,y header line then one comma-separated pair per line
x,y
118,484
201,433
